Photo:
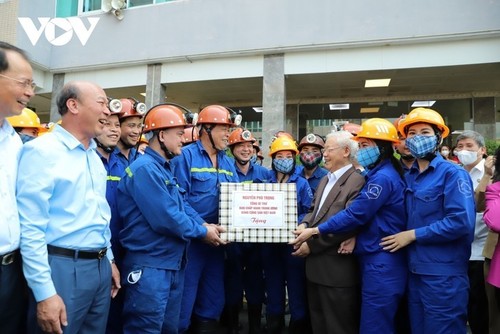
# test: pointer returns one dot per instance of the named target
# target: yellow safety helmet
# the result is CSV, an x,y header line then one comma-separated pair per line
x,y
379,129
27,119
283,143
423,115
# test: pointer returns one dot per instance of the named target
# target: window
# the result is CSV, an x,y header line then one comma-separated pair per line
x,y
67,8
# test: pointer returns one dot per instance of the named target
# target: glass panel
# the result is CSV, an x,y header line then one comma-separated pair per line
x,y
66,8
90,5
135,3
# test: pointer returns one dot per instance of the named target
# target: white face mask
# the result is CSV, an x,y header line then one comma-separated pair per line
x,y
467,157
445,153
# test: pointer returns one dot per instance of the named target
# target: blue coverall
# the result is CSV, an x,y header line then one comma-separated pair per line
x,y
155,235
203,295
315,178
441,209
378,211
283,269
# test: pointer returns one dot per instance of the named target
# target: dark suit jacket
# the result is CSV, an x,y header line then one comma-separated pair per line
x,y
324,265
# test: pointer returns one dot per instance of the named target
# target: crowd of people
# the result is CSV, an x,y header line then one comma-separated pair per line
x,y
110,222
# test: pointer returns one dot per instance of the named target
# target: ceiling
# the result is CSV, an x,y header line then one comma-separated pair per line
x,y
307,89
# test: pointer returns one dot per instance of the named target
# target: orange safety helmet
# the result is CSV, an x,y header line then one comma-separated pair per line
x,y
423,115
352,128
163,116
132,108
380,129
143,140
312,139
283,143
215,114
241,135
190,134
27,119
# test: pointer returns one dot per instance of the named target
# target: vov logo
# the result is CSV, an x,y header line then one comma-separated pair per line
x,y
66,25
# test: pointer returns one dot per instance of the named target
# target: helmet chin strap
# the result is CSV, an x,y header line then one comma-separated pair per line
x,y
107,149
242,162
168,153
209,132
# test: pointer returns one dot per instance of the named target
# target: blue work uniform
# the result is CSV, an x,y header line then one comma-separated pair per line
x,y
315,178
132,155
203,296
377,212
243,260
155,235
114,169
440,203
282,269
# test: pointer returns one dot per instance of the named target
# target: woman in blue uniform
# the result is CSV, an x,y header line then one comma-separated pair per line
x,y
378,211
280,267
441,220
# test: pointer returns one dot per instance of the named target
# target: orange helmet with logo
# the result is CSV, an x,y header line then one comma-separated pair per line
x,y
164,116
190,134
352,128
215,114
240,135
132,108
378,128
423,115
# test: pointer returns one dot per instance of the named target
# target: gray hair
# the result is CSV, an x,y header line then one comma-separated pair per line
x,y
344,139
476,136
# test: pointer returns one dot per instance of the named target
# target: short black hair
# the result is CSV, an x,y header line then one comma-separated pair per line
x,y
4,47
69,91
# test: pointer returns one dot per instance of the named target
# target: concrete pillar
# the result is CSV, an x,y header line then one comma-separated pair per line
x,y
484,116
57,85
273,100
155,91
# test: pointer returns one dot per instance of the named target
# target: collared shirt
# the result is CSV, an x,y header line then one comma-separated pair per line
x,y
10,149
315,178
378,210
332,179
255,174
440,203
132,155
156,229
61,197
480,230
201,180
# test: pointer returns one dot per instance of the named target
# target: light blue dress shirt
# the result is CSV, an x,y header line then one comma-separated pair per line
x,y
10,148
61,197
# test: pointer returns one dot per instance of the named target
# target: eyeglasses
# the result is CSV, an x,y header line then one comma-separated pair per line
x,y
25,83
331,149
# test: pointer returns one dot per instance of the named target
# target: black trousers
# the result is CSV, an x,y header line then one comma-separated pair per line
x,y
13,298
478,302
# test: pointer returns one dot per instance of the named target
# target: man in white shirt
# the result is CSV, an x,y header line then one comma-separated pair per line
x,y
471,153
16,89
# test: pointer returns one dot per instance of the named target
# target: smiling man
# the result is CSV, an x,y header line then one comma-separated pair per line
x,y
64,215
16,89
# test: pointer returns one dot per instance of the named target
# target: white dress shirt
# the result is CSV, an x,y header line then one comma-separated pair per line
x,y
332,179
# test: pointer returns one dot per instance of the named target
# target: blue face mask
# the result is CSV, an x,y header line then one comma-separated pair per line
x,y
253,159
368,156
420,146
284,166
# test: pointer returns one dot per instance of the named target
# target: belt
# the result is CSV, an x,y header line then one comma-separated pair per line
x,y
77,254
8,258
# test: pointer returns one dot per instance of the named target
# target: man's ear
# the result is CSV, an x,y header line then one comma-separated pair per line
x,y
72,105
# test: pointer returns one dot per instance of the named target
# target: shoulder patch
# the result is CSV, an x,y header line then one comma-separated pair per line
x,y
465,188
373,191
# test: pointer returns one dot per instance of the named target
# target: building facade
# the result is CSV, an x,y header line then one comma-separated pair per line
x,y
286,64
